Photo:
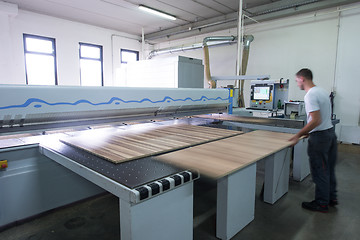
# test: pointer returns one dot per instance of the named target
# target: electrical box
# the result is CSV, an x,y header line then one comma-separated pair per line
x,y
268,95
262,95
294,108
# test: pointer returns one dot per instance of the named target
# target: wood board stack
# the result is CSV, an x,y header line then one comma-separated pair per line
x,y
137,142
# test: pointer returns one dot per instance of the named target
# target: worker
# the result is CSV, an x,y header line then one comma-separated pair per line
x,y
322,143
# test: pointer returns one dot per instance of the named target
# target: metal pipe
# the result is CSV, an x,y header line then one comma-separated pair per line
x,y
240,54
239,47
154,53
218,38
142,44
185,48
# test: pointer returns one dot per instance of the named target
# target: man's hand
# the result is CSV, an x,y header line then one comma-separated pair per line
x,y
294,140
315,121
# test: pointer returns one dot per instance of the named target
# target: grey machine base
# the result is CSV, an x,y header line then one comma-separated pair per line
x,y
33,184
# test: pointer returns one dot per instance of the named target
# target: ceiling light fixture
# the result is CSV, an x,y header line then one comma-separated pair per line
x,y
156,12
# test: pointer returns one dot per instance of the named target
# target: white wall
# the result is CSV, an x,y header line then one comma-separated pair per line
x,y
282,47
68,34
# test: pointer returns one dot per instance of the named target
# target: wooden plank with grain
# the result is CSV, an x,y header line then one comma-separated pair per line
x,y
216,131
223,157
124,145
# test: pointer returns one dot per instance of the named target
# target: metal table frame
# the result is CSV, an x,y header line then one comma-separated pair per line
x,y
168,215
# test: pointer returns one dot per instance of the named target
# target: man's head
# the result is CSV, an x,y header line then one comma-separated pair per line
x,y
303,78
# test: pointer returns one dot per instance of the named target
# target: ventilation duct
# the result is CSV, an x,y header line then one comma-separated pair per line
x,y
212,83
247,39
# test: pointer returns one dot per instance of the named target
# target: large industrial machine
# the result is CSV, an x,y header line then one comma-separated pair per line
x,y
39,172
42,167
25,108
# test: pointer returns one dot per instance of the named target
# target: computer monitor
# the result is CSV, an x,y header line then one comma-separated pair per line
x,y
262,93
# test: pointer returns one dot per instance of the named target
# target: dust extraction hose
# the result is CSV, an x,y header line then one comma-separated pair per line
x,y
245,58
212,83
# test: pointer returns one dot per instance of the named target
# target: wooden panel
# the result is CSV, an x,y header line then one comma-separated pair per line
x,y
220,158
11,142
223,117
14,140
12,136
119,145
17,140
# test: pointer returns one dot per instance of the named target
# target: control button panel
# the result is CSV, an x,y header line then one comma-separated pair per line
x,y
3,164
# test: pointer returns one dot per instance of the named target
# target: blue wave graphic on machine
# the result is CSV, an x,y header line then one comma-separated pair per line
x,y
114,100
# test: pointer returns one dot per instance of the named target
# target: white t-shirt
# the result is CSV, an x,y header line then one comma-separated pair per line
x,y
318,99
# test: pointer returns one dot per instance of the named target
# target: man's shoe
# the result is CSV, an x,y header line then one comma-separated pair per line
x,y
314,206
333,203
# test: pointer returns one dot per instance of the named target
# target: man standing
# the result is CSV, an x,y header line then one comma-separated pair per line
x,y
322,144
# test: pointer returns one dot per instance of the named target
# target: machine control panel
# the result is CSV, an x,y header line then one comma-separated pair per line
x,y
269,94
261,96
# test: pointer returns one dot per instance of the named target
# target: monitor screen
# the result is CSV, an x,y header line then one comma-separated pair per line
x,y
262,93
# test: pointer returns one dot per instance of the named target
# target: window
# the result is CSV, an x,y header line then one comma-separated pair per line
x,y
40,60
91,65
129,56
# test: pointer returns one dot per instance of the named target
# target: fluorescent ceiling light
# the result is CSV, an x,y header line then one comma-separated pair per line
x,y
156,12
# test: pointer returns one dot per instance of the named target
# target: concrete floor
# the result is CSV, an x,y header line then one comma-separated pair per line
x,y
98,218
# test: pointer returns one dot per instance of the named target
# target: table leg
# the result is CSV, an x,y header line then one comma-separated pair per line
x,y
167,216
277,167
301,167
235,201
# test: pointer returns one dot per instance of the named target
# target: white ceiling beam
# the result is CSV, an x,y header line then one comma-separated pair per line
x,y
230,20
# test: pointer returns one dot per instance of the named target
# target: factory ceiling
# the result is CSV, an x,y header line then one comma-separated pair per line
x,y
193,17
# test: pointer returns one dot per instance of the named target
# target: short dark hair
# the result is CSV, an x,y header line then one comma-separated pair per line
x,y
305,73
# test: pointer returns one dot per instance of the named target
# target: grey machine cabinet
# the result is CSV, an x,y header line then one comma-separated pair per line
x,y
190,73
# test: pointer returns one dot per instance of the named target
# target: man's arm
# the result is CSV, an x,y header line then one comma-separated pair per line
x,y
315,121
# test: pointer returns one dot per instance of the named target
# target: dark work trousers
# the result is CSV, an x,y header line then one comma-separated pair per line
x,y
322,151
